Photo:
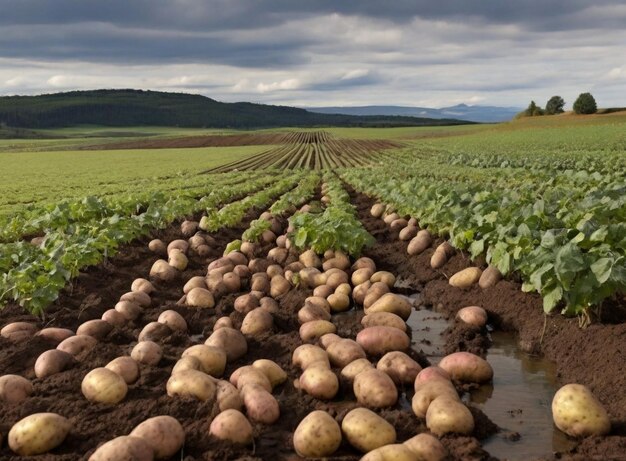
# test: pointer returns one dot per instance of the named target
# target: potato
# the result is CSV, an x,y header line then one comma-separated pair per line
x,y
158,246
319,381
398,224
242,272
138,297
38,433
360,276
191,383
247,248
147,352
308,275
352,369
311,312
313,330
200,297
467,367
174,320
399,366
366,431
425,393
419,243
98,328
163,433
232,282
75,345
427,448
430,374
364,263
448,415
383,319
14,389
334,279
223,322
578,413
227,396
194,282
271,370
269,305
231,425
256,322
177,260
393,452
273,270
177,245
303,356
162,271
375,389
360,291
329,338
379,340
115,318
393,303
339,302
102,385
279,286
232,341
52,362
465,278
385,277
318,435
375,291
124,448
212,359
344,351
489,277
129,310
344,289
220,266
126,367
56,335
377,210
391,217
473,315
439,257
408,233
261,406
318,301
250,375
18,331
188,228
260,282
237,258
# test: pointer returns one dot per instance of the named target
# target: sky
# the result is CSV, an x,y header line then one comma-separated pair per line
x,y
429,53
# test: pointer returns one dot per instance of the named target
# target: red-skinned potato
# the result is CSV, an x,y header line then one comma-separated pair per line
x,y
52,362
55,334
467,367
124,447
231,425
473,315
75,345
164,434
18,331
380,339
401,368
385,319
261,406
14,389
430,374
126,367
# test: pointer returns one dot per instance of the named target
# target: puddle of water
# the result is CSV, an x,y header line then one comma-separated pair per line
x,y
427,327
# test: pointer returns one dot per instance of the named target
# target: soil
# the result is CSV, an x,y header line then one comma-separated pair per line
x,y
592,356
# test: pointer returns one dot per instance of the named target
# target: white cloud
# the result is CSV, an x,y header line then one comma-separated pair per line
x,y
289,84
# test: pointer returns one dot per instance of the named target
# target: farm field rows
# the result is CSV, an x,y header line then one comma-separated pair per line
x,y
544,216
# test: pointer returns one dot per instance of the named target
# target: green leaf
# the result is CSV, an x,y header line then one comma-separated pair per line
x,y
602,269
551,298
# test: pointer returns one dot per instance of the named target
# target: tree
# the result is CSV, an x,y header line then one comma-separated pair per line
x,y
555,105
585,104
533,109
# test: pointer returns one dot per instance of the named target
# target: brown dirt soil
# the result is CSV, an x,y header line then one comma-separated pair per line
x,y
226,140
594,356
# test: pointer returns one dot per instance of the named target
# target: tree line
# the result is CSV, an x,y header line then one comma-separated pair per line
x,y
584,104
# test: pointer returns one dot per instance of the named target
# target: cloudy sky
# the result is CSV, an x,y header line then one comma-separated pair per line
x,y
321,52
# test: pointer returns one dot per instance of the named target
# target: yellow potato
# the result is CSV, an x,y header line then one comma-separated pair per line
x,y
38,433
319,381
147,352
174,320
212,359
163,433
303,356
191,383
256,322
426,392
228,397
75,345
393,452
313,330
200,297
102,385
578,413
399,366
126,367
419,243
375,389
352,369
162,271
427,448
318,435
379,340
466,277
18,331
232,341
272,370
448,415
467,367
393,303
55,334
366,431
344,351
384,319
489,277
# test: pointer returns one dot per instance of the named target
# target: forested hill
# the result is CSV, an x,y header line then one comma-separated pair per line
x,y
153,108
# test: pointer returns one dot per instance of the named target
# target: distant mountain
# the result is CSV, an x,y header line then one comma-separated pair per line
x,y
153,108
483,114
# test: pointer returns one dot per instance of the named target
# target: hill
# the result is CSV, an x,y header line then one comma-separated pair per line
x,y
483,114
152,108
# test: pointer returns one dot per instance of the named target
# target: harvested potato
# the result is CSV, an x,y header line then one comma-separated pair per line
x,y
188,228
158,246
391,217
75,345
18,331
14,389
430,374
55,334
223,322
393,452
191,383
269,305
271,370
274,269
177,260
398,224
228,396
364,263
467,367
313,330
385,277
38,433
448,415
129,310
261,406
232,282
339,302
377,210
318,435
114,317
336,278
489,277
97,328
319,381
578,413
344,351
360,276
246,303
154,331
249,375
303,356
318,302
126,367
426,392
349,372
138,297
441,255
466,277
212,359
164,434
194,282
52,362
311,312
237,258
380,339
329,338
174,320
200,297
178,245
124,448
162,271
419,243
279,286
375,291
102,385
399,366
366,431
427,448
473,315
384,319
408,233
390,302
256,322
147,352
375,389
232,341
142,285
187,363
232,426
360,292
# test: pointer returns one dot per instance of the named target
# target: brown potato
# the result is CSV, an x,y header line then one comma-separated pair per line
x,y
364,263
377,210
179,245
138,297
439,258
392,452
465,278
344,351
427,448
232,341
174,320
448,415
246,303
431,373
426,392
271,370
256,322
232,282
223,322
317,436
212,359
52,362
231,425
303,356
489,277
336,278
391,302
177,259
237,257
154,331
308,276
14,389
313,330
162,271
75,345
319,381
399,366
391,217
188,228
102,385
380,339
385,277
38,433
366,431
200,297
318,301
191,383
375,389
98,328
310,259
129,310
344,289
194,282
147,352
408,233
124,448
473,315
398,224
385,319
349,372
419,243
126,367
228,397
164,434
329,338
115,318
18,331
261,406
55,334
279,286
467,367
158,246
310,312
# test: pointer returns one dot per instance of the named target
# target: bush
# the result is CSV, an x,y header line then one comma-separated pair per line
x,y
585,104
555,105
533,110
